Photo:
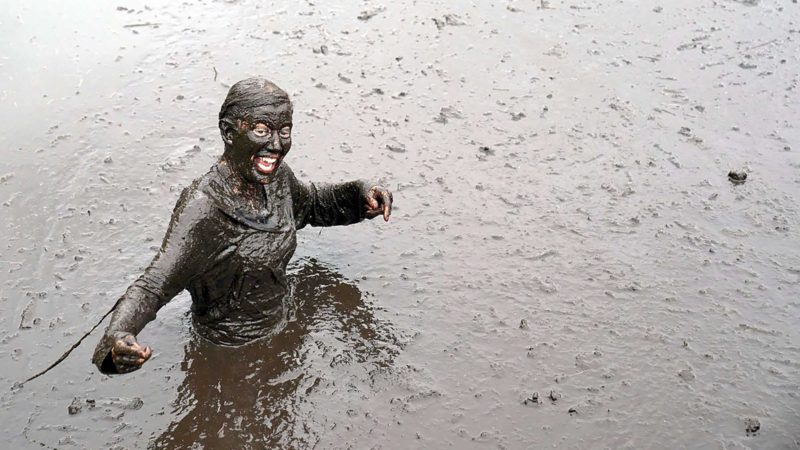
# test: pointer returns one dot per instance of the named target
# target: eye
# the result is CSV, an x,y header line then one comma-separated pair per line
x,y
286,132
261,130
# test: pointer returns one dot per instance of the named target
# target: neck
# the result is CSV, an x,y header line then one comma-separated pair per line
x,y
247,192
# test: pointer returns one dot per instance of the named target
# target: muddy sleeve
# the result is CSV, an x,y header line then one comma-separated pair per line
x,y
169,272
325,205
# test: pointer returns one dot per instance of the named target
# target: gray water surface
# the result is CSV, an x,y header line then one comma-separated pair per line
x,y
564,223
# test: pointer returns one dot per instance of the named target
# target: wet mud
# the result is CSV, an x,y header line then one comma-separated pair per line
x,y
568,264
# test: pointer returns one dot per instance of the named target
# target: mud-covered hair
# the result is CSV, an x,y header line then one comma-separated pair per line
x,y
248,94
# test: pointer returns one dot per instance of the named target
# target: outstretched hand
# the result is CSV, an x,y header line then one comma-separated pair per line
x,y
379,202
127,354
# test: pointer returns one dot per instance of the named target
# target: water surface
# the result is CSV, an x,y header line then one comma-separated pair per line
x,y
564,222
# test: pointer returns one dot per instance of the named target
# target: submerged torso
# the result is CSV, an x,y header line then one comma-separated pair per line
x,y
230,252
242,292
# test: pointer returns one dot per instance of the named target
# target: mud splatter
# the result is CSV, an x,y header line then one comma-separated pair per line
x,y
603,217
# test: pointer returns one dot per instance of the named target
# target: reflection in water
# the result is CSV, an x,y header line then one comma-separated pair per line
x,y
253,396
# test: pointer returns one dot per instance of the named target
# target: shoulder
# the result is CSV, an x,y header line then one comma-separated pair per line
x,y
194,197
209,192
286,179
286,175
194,205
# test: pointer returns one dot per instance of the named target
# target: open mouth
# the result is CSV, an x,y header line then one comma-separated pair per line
x,y
266,162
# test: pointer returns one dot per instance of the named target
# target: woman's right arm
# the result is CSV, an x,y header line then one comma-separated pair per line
x,y
180,257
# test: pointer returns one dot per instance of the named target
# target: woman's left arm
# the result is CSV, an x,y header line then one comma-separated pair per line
x,y
325,205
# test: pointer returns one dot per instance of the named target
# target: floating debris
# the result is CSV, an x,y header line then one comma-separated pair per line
x,y
737,177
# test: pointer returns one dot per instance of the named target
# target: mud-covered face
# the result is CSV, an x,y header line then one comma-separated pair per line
x,y
256,146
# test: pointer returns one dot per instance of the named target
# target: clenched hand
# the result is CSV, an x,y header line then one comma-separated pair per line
x,y
127,354
379,202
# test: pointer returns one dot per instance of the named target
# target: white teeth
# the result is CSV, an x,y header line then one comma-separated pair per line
x,y
266,164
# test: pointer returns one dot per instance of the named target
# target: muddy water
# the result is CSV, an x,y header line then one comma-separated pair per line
x,y
564,224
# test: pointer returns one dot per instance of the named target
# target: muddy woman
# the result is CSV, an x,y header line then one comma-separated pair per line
x,y
233,231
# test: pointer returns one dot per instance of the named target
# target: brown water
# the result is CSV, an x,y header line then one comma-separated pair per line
x,y
561,163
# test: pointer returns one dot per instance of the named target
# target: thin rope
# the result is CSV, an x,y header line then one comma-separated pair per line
x,y
74,346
